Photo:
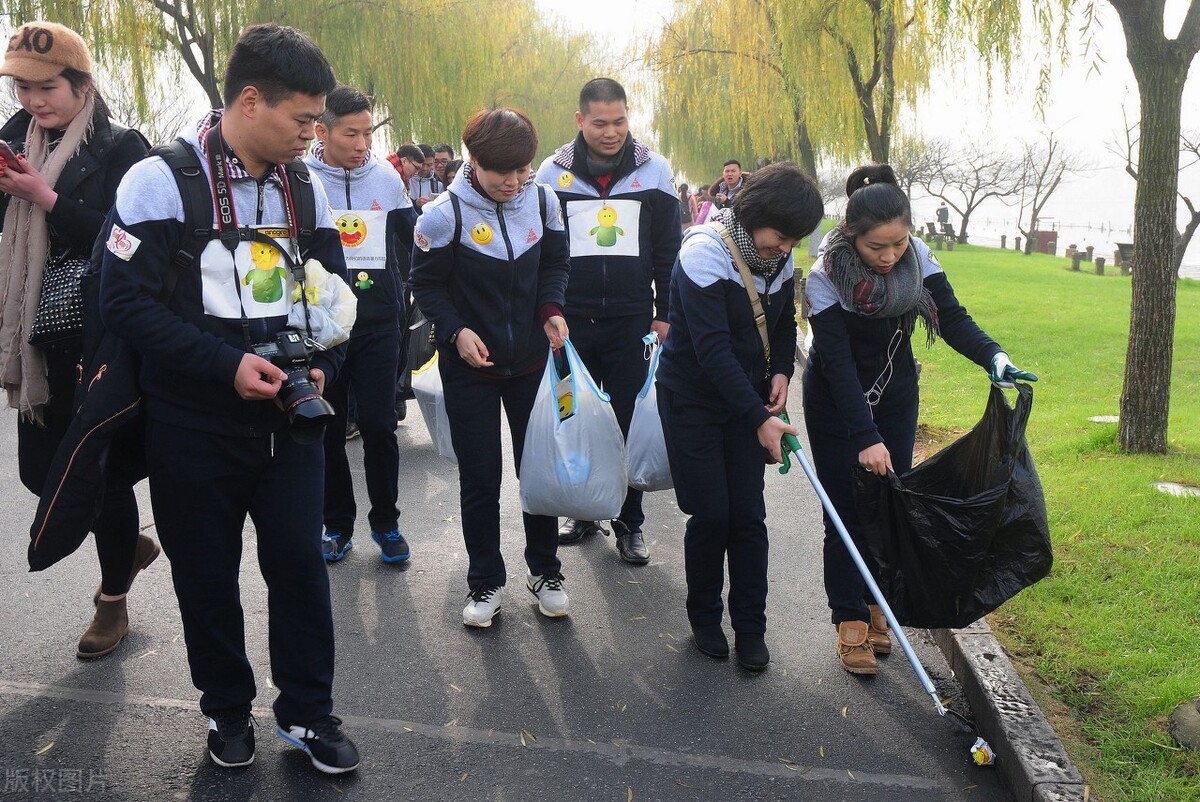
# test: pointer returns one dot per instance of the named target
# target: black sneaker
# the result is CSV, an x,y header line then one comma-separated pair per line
x,y
352,430
393,547
327,747
231,738
334,546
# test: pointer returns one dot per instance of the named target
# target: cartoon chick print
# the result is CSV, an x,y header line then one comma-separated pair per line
x,y
606,233
266,279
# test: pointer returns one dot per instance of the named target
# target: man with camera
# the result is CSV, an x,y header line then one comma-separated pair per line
x,y
232,391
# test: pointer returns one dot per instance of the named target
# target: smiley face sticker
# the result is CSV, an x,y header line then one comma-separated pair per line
x,y
565,180
352,229
481,233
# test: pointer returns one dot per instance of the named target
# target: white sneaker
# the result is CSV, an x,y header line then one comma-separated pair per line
x,y
552,599
482,606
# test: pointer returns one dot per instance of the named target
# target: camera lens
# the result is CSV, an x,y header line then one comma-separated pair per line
x,y
307,411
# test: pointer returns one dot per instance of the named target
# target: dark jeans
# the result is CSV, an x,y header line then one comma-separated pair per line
x,y
368,372
718,468
613,352
834,458
202,487
473,409
116,525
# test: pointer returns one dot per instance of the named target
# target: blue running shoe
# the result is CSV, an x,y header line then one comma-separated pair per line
x,y
393,546
335,546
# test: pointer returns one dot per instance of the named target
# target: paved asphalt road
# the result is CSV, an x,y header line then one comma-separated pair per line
x,y
613,703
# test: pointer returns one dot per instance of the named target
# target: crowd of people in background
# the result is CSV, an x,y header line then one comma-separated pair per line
x,y
259,275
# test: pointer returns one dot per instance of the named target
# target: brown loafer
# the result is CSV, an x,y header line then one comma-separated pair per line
x,y
878,633
109,627
854,650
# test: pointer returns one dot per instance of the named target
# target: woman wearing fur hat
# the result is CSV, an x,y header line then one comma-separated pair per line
x,y
56,195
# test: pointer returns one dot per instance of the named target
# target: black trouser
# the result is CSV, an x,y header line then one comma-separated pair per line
x,y
613,352
473,409
368,372
202,487
116,525
834,458
718,467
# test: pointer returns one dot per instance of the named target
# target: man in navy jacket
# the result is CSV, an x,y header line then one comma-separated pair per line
x,y
219,447
622,215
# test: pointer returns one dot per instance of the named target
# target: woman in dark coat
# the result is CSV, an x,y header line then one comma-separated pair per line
x,y
69,159
719,393
867,290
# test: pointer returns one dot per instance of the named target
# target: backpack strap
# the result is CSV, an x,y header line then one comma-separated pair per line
x,y
456,206
197,206
304,200
542,203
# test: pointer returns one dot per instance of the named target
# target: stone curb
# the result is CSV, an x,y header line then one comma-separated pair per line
x,y
1027,748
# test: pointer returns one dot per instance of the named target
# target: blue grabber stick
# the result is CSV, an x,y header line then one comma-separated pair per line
x,y
791,445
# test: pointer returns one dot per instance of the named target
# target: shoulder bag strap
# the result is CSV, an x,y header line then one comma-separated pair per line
x,y
760,316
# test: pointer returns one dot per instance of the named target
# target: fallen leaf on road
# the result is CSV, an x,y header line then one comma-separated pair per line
x,y
672,648
450,723
850,773
629,793
521,735
408,729
822,750
454,687
529,735
638,618
844,709
463,778
45,749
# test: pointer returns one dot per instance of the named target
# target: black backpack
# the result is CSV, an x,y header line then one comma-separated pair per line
x,y
197,198
105,440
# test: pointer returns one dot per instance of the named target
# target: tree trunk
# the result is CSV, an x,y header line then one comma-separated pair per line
x,y
1146,394
808,154
962,226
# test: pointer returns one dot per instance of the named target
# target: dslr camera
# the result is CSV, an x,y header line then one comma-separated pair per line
x,y
307,411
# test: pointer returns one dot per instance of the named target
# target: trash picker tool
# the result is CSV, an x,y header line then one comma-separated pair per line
x,y
791,444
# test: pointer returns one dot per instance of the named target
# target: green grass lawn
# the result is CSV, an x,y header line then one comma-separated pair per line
x,y
1111,638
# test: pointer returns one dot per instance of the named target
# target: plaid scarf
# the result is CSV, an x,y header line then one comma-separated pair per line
x,y
766,268
900,293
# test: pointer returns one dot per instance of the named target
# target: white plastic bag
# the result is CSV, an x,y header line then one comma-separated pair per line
x,y
646,448
427,387
332,306
573,467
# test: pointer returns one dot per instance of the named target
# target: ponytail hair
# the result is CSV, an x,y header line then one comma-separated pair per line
x,y
875,198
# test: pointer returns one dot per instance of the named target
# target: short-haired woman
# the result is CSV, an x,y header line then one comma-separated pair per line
x,y
490,272
55,198
867,289
719,394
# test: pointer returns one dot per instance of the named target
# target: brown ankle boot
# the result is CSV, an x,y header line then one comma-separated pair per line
x,y
878,633
109,626
854,649
147,552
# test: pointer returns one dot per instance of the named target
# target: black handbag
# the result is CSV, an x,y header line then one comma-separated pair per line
x,y
60,308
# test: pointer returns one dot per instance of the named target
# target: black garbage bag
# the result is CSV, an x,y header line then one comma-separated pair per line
x,y
964,531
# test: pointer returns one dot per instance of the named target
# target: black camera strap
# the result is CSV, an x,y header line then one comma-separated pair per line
x,y
231,235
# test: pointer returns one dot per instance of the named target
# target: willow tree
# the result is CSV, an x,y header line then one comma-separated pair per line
x,y
800,79
1160,66
428,67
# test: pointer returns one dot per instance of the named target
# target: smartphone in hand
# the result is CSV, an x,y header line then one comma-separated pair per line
x,y
7,153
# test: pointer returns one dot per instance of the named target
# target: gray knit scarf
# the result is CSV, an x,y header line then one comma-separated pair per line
x,y
766,268
23,253
900,293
